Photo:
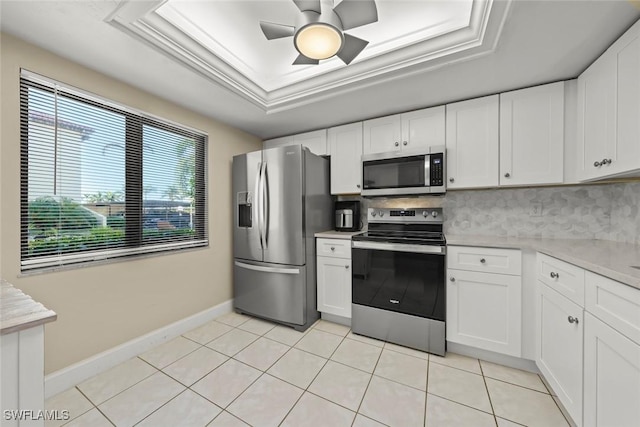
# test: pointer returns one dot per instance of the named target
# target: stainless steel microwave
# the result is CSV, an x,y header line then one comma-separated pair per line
x,y
404,173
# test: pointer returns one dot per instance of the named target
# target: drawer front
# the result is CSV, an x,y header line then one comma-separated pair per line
x,y
614,303
565,278
337,248
486,260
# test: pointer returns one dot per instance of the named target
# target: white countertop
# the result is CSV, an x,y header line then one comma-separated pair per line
x,y
332,234
19,311
607,258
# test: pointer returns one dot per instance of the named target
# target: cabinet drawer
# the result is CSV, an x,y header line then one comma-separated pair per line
x,y
565,278
614,303
338,248
486,260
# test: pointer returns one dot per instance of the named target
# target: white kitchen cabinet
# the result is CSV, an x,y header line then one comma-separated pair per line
x,y
334,277
315,141
611,376
472,141
609,111
484,310
345,145
410,131
532,135
559,347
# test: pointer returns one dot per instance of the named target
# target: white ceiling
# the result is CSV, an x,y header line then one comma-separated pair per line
x,y
211,56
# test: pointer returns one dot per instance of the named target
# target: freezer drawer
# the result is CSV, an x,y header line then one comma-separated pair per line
x,y
272,291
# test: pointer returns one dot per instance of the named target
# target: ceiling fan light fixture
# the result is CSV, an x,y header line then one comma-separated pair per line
x,y
318,41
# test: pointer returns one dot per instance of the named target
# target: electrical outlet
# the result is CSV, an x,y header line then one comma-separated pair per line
x,y
535,209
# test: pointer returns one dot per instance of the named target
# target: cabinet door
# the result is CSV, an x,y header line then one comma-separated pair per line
x,y
423,128
484,310
334,286
596,117
625,155
345,145
382,135
559,347
315,141
532,135
472,143
611,376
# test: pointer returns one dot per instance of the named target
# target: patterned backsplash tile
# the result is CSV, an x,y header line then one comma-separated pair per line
x,y
596,211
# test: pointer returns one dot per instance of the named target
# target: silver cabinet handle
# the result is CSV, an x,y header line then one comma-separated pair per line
x,y
451,179
357,185
597,164
332,249
452,279
507,175
396,143
346,266
404,142
554,275
572,319
606,161
482,260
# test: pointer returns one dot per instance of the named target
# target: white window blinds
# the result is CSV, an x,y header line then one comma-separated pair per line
x,y
101,181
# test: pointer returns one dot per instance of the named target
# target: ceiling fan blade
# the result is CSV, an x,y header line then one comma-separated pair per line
x,y
303,60
276,31
351,48
355,13
305,5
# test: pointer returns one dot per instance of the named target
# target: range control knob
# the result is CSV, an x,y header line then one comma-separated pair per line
x,y
373,213
434,214
381,213
425,213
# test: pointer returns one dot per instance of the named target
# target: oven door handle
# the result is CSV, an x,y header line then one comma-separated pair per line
x,y
400,247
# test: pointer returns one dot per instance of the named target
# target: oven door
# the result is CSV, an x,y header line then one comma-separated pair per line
x,y
407,279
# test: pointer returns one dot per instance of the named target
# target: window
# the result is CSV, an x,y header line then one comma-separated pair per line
x,y
101,181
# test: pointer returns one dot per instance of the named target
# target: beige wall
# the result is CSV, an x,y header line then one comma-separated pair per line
x,y
100,307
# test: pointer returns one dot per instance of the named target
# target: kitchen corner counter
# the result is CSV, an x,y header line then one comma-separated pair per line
x,y
332,234
607,258
18,311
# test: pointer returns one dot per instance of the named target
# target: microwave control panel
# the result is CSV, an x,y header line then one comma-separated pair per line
x,y
437,169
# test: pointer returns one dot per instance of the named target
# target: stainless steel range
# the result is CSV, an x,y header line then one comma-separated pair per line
x,y
399,278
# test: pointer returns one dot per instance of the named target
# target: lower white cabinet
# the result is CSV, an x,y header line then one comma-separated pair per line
x,y
484,310
559,347
334,280
611,376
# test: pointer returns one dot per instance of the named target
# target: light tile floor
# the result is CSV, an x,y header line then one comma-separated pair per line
x,y
239,371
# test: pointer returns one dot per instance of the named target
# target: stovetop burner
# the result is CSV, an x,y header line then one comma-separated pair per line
x,y
409,226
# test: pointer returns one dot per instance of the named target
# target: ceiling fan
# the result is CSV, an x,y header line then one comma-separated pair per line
x,y
320,30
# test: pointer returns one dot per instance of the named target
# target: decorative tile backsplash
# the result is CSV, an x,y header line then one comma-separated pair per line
x,y
602,211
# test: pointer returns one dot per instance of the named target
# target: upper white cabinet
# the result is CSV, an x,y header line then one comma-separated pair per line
x,y
409,131
609,111
472,143
345,145
315,141
532,135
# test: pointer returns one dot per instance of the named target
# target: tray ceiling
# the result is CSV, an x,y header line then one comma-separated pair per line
x,y
223,41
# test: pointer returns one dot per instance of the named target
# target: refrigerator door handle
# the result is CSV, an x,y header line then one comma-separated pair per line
x,y
258,193
265,206
267,269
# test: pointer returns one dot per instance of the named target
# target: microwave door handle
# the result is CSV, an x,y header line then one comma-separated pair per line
x,y
258,193
427,170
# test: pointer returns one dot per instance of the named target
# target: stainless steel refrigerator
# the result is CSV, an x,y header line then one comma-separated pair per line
x,y
281,199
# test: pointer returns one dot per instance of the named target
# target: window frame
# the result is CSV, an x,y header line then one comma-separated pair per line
x,y
135,120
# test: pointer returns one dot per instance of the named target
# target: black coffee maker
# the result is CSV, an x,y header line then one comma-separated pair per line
x,y
347,216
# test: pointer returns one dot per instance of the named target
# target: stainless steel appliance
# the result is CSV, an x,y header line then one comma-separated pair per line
x,y
347,215
402,173
281,199
398,278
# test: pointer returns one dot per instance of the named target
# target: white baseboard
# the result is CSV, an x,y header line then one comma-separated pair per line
x,y
346,321
490,356
72,375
